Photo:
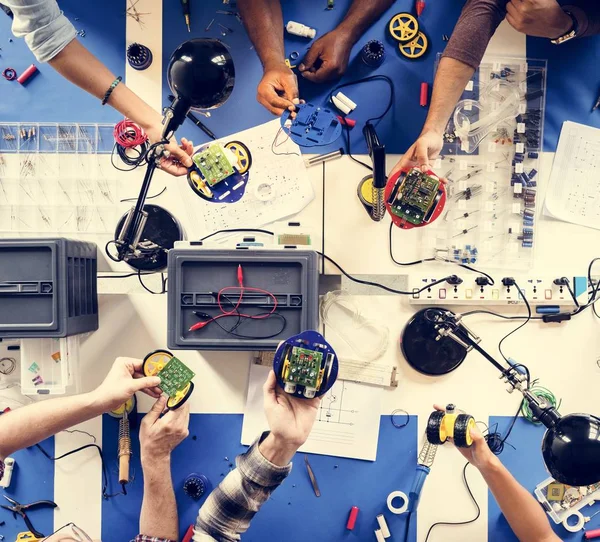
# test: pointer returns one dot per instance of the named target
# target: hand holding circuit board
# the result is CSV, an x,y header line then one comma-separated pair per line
x,y
175,376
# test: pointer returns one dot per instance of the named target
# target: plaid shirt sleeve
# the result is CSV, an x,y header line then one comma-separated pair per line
x,y
144,538
1,469
229,509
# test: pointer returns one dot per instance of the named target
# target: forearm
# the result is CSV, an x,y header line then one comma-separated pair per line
x,y
31,424
361,15
523,513
158,517
263,20
450,81
83,69
588,17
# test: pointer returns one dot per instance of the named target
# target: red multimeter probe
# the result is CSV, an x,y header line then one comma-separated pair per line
x,y
433,214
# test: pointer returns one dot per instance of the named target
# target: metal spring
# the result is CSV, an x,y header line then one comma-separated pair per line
x,y
124,436
427,454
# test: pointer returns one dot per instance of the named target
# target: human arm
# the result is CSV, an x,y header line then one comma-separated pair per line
x,y
159,436
329,55
33,423
229,509
548,19
278,88
523,513
52,38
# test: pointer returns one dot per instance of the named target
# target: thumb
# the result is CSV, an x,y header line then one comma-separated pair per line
x,y
157,409
181,156
290,87
146,382
270,395
422,152
311,57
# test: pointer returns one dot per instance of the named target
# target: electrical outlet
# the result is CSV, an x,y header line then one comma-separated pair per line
x,y
539,291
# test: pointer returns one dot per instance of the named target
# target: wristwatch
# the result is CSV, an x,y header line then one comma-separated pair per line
x,y
570,34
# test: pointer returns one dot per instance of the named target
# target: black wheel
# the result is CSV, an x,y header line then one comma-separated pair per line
x,y
436,434
174,402
155,361
462,430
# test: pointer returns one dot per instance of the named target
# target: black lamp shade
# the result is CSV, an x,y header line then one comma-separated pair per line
x,y
201,72
571,450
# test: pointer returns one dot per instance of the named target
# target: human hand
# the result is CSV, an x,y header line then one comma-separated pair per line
x,y
327,58
290,420
159,436
421,152
122,381
479,453
542,18
179,159
278,89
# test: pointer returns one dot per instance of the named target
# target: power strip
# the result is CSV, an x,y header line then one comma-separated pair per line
x,y
539,291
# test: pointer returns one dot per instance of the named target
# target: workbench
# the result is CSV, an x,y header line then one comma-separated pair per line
x,y
563,356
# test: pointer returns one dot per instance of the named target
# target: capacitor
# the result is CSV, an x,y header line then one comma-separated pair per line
x,y
424,94
299,29
27,74
352,518
532,155
532,173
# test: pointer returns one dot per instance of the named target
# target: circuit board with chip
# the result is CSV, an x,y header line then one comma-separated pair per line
x,y
213,164
174,376
304,367
414,196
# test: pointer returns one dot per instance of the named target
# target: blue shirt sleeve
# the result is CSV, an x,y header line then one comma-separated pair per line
x,y
43,25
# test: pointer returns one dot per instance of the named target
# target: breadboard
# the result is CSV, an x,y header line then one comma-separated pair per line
x,y
377,374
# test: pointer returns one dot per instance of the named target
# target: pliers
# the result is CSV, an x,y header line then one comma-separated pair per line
x,y
18,508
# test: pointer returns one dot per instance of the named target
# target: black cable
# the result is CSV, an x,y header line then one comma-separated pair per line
x,y
139,156
522,294
147,197
407,526
105,495
403,263
237,230
495,440
163,280
568,283
498,315
449,523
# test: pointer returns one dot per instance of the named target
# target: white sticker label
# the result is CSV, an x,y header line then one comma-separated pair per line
x,y
497,66
462,185
462,165
437,164
469,86
490,167
520,148
518,188
492,146
462,206
522,109
520,127
468,106
487,226
519,167
516,208
489,188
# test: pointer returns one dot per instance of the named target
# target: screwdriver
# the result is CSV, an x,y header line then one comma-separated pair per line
x,y
186,13
420,6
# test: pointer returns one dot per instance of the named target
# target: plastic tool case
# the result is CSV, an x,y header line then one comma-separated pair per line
x,y
48,288
197,274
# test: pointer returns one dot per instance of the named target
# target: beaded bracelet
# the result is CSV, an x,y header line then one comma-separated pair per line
x,y
110,89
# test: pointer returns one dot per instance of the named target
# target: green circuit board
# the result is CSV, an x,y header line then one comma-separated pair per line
x,y
415,196
213,164
305,366
174,376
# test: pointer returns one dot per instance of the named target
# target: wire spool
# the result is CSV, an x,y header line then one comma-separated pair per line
x,y
373,53
139,56
545,395
7,365
195,485
403,27
415,48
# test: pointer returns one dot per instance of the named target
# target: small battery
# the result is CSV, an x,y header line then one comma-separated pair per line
x,y
352,518
424,94
27,74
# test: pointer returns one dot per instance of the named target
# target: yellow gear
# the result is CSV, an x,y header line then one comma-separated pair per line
x,y
242,153
403,27
415,48
155,362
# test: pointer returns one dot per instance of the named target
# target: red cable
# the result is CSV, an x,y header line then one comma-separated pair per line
x,y
128,134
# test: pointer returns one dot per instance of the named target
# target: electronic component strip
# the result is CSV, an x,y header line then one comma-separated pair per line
x,y
492,169
214,164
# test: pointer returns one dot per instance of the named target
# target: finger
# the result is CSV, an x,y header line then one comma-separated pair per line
x,y
311,57
180,155
274,103
512,21
422,152
172,168
290,88
269,389
319,76
439,407
157,409
145,382
155,393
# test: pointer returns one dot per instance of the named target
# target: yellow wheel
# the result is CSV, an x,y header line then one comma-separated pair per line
x,y
365,191
415,48
175,401
129,406
155,362
403,27
199,185
242,154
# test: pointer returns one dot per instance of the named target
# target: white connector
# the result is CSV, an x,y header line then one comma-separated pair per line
x,y
343,103
299,29
9,464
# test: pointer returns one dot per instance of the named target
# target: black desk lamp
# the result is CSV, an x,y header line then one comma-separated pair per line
x,y
571,444
201,76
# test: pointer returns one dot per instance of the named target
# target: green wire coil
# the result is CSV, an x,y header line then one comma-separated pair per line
x,y
543,393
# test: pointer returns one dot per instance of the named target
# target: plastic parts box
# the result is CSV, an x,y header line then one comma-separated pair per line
x,y
196,275
48,288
